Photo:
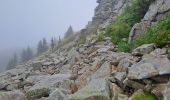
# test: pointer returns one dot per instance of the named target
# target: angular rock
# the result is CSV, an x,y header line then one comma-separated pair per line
x,y
166,92
45,86
97,89
150,66
141,71
144,49
59,94
133,84
115,91
12,95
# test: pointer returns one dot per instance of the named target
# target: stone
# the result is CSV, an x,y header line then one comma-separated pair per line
x,y
166,92
103,49
115,90
119,78
138,29
158,52
102,72
144,49
12,95
161,63
45,86
96,89
141,71
158,90
133,84
122,97
38,93
59,94
150,66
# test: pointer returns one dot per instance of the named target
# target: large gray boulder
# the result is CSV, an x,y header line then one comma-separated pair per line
x,y
59,94
47,85
12,95
96,89
144,49
150,66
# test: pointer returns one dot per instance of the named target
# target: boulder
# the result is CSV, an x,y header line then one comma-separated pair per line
x,y
144,49
141,71
59,94
45,86
12,95
166,92
96,89
150,66
158,52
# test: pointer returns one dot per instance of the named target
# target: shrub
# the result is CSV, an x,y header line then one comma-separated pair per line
x,y
100,37
118,31
124,47
82,40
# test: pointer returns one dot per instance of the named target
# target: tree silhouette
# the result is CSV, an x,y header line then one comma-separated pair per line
x,y
69,32
12,62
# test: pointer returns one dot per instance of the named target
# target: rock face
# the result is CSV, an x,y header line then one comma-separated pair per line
x,y
157,10
106,11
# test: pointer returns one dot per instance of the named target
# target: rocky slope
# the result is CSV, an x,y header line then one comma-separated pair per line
x,y
94,70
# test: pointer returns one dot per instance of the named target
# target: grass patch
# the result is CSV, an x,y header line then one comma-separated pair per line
x,y
100,37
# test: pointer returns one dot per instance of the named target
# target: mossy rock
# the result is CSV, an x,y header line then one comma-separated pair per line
x,y
38,93
141,95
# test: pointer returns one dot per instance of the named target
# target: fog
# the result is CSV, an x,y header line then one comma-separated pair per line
x,y
25,22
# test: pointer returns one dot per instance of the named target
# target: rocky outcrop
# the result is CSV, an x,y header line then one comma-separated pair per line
x,y
157,10
106,11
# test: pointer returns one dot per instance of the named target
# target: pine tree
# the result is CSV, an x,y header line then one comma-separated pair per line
x,y
23,56
52,44
69,32
40,48
44,45
12,62
27,54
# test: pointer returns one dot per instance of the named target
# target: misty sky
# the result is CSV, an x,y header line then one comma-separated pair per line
x,y
25,22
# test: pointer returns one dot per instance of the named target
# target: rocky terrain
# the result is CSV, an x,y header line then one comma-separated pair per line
x,y
95,70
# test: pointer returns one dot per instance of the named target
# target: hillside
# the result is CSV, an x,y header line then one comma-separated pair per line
x,y
122,54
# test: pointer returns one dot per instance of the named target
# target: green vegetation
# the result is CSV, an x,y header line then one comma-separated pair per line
x,y
82,40
144,96
158,34
100,37
132,14
124,47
